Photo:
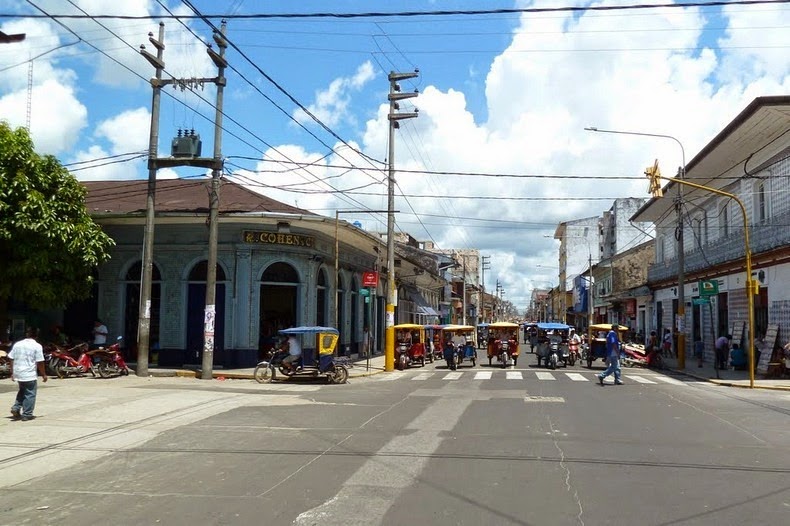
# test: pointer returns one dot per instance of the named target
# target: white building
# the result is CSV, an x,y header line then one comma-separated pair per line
x,y
750,159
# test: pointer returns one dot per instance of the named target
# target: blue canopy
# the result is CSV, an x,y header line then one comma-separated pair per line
x,y
308,330
551,326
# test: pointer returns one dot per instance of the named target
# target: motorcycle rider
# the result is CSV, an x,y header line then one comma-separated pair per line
x,y
294,353
574,344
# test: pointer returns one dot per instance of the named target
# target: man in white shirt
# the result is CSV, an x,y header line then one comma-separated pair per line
x,y
26,356
99,334
294,352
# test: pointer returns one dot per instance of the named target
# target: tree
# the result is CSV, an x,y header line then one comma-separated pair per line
x,y
49,244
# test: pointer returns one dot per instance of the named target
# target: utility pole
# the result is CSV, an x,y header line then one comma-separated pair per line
x,y
486,265
209,314
463,284
186,152
394,96
680,323
144,318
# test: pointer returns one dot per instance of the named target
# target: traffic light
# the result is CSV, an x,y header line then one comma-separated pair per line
x,y
653,173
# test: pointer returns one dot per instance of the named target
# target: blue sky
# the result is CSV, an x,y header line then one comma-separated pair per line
x,y
499,94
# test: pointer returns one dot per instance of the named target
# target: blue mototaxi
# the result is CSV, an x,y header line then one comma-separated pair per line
x,y
558,332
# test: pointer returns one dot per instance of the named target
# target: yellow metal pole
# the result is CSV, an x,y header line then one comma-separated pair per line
x,y
750,286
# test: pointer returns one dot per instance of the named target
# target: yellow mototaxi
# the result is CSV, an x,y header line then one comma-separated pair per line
x,y
596,347
410,345
503,342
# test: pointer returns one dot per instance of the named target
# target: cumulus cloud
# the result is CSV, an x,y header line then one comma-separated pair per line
x,y
332,104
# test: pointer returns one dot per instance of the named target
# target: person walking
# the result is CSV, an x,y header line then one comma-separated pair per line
x,y
666,343
722,348
613,355
26,357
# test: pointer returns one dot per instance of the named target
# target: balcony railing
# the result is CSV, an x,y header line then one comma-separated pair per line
x,y
762,238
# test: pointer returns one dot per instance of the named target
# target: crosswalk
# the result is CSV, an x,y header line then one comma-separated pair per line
x,y
549,376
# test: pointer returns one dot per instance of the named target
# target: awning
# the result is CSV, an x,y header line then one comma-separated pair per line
x,y
423,307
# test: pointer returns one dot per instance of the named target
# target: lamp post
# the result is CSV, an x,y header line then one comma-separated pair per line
x,y
681,322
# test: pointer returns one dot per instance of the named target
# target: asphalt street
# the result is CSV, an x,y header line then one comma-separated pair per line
x,y
479,446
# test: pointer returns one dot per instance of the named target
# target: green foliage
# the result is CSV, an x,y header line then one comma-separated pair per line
x,y
49,244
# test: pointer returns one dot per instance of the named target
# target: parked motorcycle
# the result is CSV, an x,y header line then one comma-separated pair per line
x,y
110,362
64,364
5,364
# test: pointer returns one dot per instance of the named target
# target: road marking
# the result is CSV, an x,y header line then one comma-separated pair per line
x,y
545,376
367,495
422,376
668,380
640,379
453,376
577,377
483,375
514,375
529,398
388,377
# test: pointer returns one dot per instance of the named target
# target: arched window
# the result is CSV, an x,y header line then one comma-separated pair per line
x,y
200,271
135,272
320,300
280,273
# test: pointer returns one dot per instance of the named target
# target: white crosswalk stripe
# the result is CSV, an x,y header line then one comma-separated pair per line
x,y
483,375
639,379
545,376
455,375
577,377
514,375
668,380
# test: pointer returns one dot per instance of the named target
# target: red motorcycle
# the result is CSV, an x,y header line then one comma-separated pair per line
x,y
63,362
110,362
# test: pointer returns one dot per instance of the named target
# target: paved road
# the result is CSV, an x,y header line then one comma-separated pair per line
x,y
426,446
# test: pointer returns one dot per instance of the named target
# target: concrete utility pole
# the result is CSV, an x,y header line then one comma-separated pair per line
x,y
210,313
154,163
486,265
394,96
144,318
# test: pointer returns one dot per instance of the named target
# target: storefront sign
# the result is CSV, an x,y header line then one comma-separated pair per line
x,y
273,238
708,287
370,279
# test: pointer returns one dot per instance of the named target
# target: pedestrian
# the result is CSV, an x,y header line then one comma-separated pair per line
x,y
666,343
366,341
533,339
722,348
99,334
699,350
26,357
613,356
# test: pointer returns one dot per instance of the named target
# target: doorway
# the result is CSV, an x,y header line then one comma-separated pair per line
x,y
196,306
278,303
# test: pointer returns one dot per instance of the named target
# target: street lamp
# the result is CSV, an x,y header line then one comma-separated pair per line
x,y
680,326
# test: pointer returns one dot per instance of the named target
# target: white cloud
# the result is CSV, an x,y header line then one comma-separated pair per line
x,y
57,117
127,131
332,104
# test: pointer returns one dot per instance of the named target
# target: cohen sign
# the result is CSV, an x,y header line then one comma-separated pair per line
x,y
273,238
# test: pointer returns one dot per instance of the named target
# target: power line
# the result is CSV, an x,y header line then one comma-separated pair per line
x,y
435,13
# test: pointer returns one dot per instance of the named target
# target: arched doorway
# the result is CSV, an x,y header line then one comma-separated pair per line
x,y
196,306
132,308
278,295
320,300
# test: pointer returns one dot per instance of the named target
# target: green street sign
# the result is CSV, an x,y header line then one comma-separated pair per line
x,y
700,301
708,287
364,292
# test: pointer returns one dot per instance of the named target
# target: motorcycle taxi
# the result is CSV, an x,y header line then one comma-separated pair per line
x,y
503,343
410,345
553,344
482,335
433,341
458,345
320,341
596,347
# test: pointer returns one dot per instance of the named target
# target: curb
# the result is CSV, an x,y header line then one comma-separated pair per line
x,y
730,383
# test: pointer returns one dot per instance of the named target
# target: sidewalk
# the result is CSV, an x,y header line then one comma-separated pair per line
x,y
727,377
359,368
